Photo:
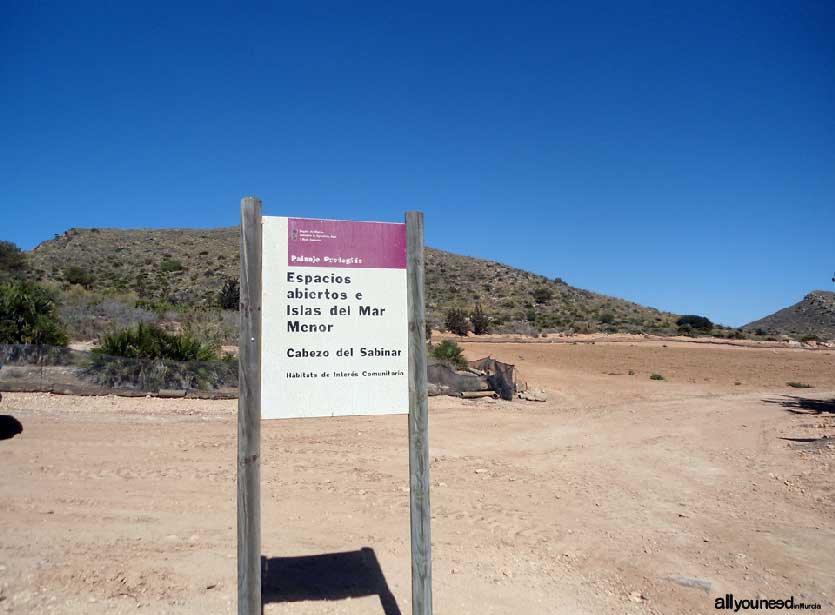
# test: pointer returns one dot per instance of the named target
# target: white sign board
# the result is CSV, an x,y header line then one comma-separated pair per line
x,y
334,319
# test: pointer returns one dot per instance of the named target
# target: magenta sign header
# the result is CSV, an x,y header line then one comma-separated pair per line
x,y
342,243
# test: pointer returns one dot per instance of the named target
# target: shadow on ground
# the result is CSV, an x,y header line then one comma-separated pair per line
x,y
330,576
804,405
9,427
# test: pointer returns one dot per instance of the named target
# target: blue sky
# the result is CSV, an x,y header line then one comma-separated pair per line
x,y
681,155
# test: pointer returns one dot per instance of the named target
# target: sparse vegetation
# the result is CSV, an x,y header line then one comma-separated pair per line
x,y
656,377
200,262
799,385
87,315
810,319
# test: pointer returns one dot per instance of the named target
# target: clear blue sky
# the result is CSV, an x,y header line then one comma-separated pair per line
x,y
681,155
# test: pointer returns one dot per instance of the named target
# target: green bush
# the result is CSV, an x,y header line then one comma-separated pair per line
x,y
543,294
480,321
657,377
450,352
169,266
606,318
456,322
149,341
229,296
212,326
12,261
29,315
694,322
685,330
157,307
78,275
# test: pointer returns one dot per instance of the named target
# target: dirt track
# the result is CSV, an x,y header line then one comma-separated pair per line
x,y
589,503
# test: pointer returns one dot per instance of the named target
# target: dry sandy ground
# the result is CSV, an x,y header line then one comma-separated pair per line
x,y
618,495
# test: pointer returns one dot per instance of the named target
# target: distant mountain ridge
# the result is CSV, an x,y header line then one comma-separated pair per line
x,y
814,315
189,266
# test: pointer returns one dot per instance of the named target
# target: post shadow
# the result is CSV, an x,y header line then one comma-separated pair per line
x,y
329,576
9,427
804,405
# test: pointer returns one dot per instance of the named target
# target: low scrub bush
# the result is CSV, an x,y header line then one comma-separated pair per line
x,y
543,294
86,315
799,385
451,353
148,341
657,377
156,374
78,275
169,266
607,318
158,307
29,315
695,323
229,297
216,327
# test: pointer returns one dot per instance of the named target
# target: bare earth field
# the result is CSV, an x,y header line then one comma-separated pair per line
x,y
618,495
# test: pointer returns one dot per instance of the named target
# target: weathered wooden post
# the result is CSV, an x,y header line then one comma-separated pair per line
x,y
249,413
418,420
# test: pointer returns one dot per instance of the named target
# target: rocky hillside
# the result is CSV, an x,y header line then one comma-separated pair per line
x,y
813,316
188,267
181,266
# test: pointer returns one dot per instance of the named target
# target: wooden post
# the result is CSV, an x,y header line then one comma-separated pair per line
x,y
418,421
249,413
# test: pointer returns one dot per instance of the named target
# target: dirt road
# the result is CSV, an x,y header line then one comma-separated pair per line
x,y
619,495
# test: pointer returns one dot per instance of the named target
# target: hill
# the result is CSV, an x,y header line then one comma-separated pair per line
x,y
814,315
187,267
